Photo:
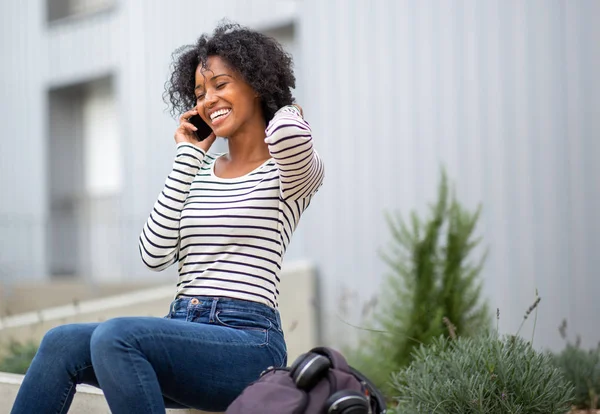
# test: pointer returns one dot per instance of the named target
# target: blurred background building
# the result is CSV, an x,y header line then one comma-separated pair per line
x,y
505,94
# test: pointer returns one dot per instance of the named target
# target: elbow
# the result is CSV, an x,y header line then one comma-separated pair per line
x,y
306,186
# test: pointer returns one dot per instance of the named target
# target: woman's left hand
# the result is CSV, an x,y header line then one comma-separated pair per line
x,y
299,109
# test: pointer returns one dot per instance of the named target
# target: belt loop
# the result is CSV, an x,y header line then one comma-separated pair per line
x,y
213,310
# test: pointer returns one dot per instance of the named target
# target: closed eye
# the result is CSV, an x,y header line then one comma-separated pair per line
x,y
221,85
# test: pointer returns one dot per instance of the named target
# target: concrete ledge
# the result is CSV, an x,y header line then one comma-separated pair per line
x,y
88,400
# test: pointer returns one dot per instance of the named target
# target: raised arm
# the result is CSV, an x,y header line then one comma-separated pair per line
x,y
290,143
159,241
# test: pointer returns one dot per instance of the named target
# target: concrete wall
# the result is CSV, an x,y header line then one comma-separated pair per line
x,y
88,400
27,296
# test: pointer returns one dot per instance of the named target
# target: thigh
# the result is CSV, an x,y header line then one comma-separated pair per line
x,y
200,365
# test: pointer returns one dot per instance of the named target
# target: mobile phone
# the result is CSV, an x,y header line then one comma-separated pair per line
x,y
203,131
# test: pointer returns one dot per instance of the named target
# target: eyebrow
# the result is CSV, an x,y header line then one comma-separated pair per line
x,y
212,79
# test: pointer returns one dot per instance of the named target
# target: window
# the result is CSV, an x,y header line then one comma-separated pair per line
x,y
85,179
62,9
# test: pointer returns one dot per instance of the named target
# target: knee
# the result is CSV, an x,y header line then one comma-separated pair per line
x,y
64,340
110,336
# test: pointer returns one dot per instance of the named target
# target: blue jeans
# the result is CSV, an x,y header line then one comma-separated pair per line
x,y
201,355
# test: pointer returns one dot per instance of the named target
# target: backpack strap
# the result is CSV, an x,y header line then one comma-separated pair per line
x,y
337,359
374,392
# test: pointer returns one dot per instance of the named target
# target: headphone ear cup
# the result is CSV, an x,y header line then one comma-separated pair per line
x,y
347,402
297,363
308,369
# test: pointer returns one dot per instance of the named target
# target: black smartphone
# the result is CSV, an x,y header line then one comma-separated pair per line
x,y
203,131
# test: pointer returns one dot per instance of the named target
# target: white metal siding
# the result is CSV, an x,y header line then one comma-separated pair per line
x,y
22,145
506,95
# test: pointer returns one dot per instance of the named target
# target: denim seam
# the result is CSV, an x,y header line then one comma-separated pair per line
x,y
148,397
71,387
64,400
278,361
150,335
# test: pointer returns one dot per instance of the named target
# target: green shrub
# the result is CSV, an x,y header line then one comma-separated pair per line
x,y
483,374
582,368
18,357
432,278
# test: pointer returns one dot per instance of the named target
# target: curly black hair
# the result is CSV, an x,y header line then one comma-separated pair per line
x,y
259,59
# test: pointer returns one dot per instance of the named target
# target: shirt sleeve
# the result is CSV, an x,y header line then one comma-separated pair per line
x,y
290,142
159,241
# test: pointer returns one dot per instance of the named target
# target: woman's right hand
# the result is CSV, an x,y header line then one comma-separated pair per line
x,y
186,132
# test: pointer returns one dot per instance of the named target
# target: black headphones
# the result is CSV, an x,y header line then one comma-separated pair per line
x,y
347,402
308,369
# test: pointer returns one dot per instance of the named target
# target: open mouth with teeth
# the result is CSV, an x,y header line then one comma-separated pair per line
x,y
218,116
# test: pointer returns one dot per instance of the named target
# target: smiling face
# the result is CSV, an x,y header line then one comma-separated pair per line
x,y
226,102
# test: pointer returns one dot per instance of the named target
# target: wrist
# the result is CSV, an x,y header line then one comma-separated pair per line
x,y
190,149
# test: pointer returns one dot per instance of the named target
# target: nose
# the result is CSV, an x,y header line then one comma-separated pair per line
x,y
210,99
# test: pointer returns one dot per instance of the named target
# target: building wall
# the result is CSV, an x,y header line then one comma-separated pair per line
x,y
130,43
22,145
505,95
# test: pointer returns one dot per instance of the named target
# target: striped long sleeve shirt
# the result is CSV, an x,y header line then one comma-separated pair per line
x,y
229,235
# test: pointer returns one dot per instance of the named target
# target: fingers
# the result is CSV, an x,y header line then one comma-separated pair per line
x,y
187,115
184,120
188,126
185,132
299,109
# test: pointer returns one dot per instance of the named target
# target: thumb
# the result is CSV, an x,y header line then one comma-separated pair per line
x,y
206,143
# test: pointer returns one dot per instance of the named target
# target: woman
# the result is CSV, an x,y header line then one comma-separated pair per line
x,y
227,220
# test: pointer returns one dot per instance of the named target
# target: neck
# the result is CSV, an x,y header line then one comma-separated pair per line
x,y
248,144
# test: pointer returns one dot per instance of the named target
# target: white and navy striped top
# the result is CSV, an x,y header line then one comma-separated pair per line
x,y
230,234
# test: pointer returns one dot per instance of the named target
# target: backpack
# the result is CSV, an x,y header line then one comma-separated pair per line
x,y
318,382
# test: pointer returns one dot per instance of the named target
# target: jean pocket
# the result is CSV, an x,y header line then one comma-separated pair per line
x,y
249,329
243,320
